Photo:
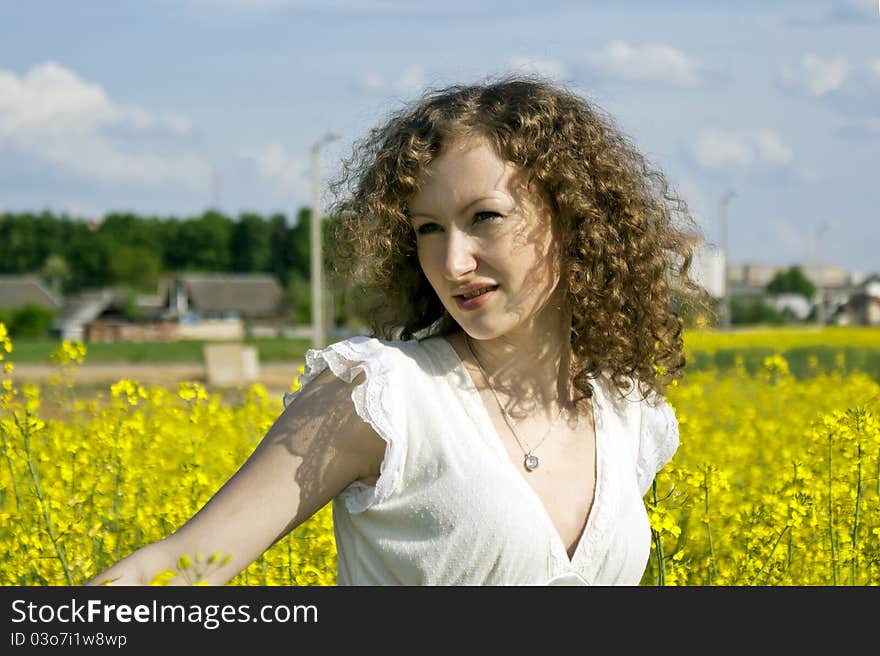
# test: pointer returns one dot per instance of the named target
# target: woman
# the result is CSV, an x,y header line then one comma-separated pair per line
x,y
515,257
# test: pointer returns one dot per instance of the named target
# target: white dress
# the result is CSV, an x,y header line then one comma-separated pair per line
x,y
449,506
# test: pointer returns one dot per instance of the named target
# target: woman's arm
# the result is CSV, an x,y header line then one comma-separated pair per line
x,y
313,451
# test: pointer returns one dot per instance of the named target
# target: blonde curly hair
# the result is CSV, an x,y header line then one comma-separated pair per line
x,y
627,239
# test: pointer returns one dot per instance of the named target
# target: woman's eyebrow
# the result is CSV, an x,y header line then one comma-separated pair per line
x,y
412,213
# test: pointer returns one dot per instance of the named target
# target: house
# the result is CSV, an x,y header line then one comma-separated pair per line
x,y
17,290
204,306
105,315
794,304
863,306
257,297
208,305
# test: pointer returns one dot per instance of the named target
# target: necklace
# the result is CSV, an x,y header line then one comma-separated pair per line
x,y
530,461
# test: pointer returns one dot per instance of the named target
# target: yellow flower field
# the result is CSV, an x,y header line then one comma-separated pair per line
x,y
776,482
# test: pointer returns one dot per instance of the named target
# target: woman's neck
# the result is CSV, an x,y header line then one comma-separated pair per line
x,y
528,368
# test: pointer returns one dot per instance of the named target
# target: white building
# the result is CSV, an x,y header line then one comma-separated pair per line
x,y
708,269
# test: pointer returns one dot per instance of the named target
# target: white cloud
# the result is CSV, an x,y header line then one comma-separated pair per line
x,y
655,62
771,148
50,98
548,68
814,76
410,81
275,164
53,115
715,149
851,88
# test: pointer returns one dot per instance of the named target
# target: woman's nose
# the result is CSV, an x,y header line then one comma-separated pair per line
x,y
460,255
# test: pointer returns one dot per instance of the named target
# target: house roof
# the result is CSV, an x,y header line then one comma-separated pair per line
x,y
17,290
862,299
86,305
249,295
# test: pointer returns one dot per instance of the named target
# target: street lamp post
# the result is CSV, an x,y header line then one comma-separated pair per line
x,y
725,300
318,330
821,229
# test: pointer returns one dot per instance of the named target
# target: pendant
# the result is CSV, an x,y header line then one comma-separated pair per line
x,y
531,462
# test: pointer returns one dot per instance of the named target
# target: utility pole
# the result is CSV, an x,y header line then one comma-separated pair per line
x,y
318,330
821,229
725,299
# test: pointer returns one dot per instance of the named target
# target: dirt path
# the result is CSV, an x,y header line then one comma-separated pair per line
x,y
273,375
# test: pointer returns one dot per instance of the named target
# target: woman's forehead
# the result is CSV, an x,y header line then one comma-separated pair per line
x,y
464,169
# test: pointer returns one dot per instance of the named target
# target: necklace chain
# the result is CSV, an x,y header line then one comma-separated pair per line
x,y
531,461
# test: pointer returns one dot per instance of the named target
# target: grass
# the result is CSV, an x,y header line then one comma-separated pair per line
x,y
37,351
860,347
790,337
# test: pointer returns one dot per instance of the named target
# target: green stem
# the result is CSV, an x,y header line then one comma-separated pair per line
x,y
38,490
117,478
291,576
878,475
658,544
855,533
770,556
713,574
831,516
11,470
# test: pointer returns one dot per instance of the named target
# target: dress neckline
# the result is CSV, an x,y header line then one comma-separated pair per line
x,y
599,456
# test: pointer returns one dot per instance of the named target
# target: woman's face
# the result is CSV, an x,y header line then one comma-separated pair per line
x,y
476,226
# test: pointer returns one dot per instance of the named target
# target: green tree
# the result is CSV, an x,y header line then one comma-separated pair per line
x,y
251,250
791,281
175,252
298,298
132,230
88,253
206,240
56,271
130,308
299,244
754,311
31,320
20,249
279,248
135,266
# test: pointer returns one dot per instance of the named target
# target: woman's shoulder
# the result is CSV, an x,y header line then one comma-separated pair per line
x,y
367,347
375,356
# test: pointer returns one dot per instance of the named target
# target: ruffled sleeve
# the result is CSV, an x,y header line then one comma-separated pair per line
x,y
373,401
658,441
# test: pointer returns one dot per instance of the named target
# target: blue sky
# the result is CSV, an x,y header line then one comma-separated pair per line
x,y
168,107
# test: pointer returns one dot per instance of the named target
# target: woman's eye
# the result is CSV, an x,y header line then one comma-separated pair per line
x,y
426,228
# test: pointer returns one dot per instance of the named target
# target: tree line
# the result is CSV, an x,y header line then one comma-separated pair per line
x,y
126,250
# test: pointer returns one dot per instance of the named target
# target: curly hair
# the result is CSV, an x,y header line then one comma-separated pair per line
x,y
623,250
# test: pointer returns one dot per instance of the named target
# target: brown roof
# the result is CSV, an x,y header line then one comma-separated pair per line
x,y
17,290
249,295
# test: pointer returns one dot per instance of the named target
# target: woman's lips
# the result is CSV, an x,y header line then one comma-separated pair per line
x,y
468,304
